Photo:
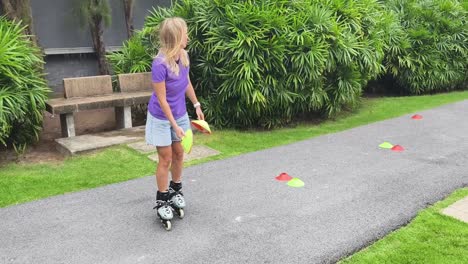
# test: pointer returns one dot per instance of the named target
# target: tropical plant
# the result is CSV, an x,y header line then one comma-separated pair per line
x,y
136,54
23,90
354,35
264,62
431,52
96,14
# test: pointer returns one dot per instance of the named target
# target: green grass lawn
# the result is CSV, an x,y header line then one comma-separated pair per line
x,y
21,183
430,238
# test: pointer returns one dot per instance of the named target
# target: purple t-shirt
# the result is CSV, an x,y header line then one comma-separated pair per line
x,y
176,85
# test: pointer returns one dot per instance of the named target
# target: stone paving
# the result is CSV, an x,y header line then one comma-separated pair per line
x,y
142,147
89,142
133,137
458,210
198,152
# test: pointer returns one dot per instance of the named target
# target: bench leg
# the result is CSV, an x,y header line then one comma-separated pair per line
x,y
67,123
123,116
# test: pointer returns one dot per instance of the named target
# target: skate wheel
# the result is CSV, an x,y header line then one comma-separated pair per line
x,y
167,225
181,213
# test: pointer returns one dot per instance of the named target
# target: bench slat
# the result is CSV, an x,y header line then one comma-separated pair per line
x,y
87,86
135,82
95,92
64,105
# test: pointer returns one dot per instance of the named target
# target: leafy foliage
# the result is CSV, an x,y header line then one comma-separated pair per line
x,y
260,63
430,52
23,90
89,10
136,55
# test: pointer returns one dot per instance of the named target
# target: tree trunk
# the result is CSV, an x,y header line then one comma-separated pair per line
x,y
128,7
8,9
20,10
97,31
28,20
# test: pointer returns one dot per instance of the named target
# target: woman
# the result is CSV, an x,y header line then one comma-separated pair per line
x,y
167,115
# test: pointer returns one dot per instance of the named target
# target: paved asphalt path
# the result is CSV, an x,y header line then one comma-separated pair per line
x,y
354,194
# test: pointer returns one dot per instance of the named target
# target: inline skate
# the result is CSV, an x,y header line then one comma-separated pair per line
x,y
164,209
177,200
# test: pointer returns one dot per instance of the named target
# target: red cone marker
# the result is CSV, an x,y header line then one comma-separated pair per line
x,y
417,117
398,148
283,177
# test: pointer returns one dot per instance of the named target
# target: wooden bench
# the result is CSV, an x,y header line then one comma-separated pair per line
x,y
95,92
138,86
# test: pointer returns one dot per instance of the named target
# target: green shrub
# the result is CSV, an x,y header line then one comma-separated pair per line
x,y
431,53
23,90
261,63
136,55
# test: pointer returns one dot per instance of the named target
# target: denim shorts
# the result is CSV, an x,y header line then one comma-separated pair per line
x,y
160,133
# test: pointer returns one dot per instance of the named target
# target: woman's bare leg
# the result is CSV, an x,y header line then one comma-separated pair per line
x,y
177,161
162,170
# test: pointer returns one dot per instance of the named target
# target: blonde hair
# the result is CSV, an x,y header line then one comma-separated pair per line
x,y
171,31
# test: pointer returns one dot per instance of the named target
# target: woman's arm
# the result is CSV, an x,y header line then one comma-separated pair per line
x,y
191,92
160,90
193,98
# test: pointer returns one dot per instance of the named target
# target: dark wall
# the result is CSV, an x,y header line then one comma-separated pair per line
x,y
142,9
68,45
56,26
116,33
62,66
